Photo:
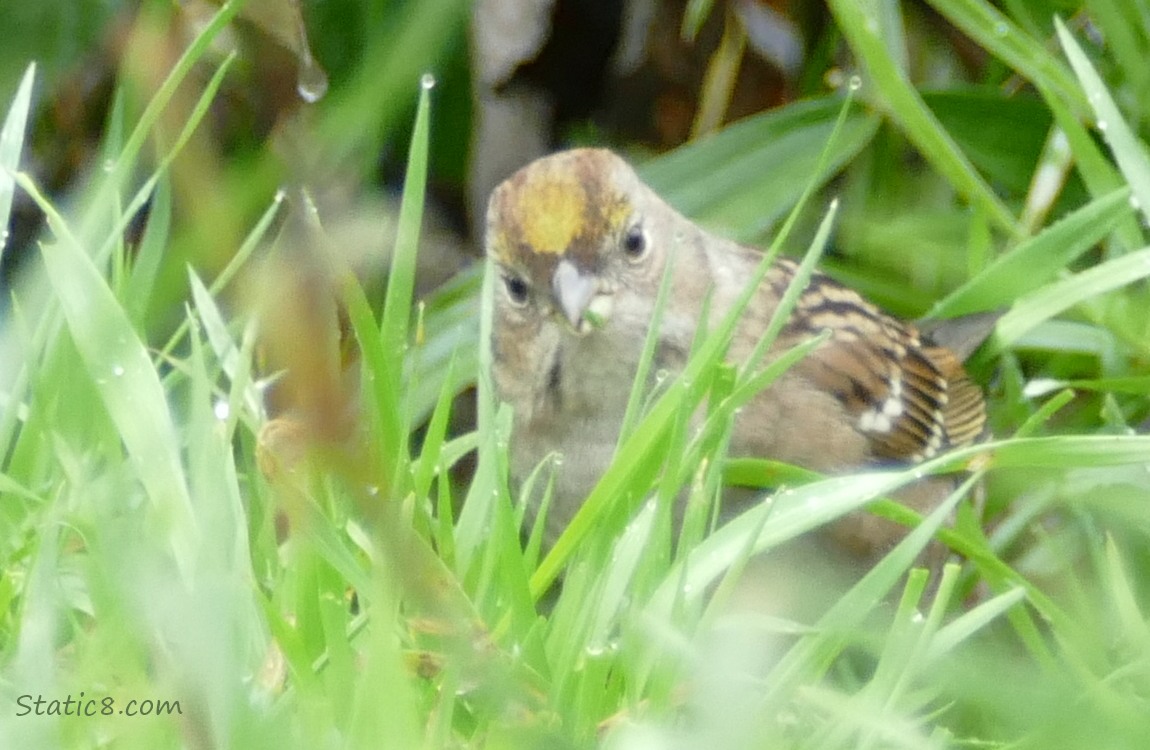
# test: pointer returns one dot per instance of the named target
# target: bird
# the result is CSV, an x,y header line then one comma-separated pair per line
x,y
579,245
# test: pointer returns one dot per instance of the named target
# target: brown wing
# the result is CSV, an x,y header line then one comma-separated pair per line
x,y
911,399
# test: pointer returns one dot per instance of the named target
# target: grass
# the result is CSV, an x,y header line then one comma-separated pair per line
x,y
141,517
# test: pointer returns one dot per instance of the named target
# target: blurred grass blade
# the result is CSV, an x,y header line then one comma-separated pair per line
x,y
742,179
798,510
614,587
489,486
127,381
1131,617
212,320
450,334
953,634
11,142
810,656
719,80
1000,36
357,115
150,255
1092,164
792,512
897,97
126,160
694,16
1037,260
1129,152
1072,450
219,283
1055,298
395,323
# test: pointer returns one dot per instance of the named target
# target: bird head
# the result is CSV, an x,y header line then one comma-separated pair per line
x,y
567,233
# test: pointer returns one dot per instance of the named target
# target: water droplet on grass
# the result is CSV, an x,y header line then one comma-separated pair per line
x,y
312,81
427,81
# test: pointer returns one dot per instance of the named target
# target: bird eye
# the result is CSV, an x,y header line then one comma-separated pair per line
x,y
517,289
635,244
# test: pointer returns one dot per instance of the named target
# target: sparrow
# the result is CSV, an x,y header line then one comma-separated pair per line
x,y
580,244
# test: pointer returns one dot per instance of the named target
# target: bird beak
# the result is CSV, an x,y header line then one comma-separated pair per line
x,y
574,291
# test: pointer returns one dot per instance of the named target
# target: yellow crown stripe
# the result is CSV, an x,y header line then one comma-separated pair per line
x,y
553,212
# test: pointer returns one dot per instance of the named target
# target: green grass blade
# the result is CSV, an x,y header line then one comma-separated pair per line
x,y
1038,259
650,342
250,243
489,486
126,160
1129,151
742,179
149,257
792,512
127,381
1071,450
11,142
898,99
953,634
1097,171
1055,298
1001,37
395,324
212,321
812,654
